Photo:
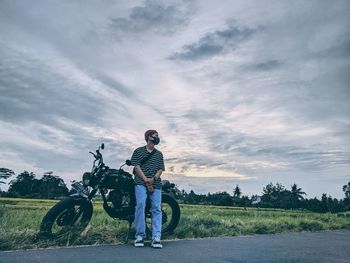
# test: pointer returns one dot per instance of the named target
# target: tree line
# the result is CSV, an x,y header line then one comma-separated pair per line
x,y
273,196
51,186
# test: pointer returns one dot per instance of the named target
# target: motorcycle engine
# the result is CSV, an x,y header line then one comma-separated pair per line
x,y
119,199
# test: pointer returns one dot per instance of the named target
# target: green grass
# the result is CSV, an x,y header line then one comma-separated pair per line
x,y
20,220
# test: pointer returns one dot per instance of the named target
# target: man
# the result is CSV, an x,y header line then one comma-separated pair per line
x,y
149,164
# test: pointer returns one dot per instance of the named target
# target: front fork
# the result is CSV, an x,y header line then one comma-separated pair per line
x,y
81,194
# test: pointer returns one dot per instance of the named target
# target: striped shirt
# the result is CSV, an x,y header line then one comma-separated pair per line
x,y
150,168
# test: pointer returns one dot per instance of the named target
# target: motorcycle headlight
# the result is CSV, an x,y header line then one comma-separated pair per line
x,y
86,178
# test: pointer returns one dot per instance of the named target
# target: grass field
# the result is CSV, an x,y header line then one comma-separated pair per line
x,y
20,220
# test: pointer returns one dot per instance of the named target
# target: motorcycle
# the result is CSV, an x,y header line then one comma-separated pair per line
x,y
116,187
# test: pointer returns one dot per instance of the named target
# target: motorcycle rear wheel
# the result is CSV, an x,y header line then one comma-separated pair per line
x,y
170,215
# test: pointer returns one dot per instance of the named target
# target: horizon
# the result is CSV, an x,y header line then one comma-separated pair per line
x,y
187,191
243,92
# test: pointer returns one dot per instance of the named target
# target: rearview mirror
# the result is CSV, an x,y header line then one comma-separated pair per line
x,y
128,162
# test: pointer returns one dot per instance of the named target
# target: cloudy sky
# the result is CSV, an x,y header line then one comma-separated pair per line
x,y
241,92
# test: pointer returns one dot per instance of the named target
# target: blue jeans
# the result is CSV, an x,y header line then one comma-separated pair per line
x,y
140,223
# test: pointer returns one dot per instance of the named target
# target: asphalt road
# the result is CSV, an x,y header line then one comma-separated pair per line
x,y
327,246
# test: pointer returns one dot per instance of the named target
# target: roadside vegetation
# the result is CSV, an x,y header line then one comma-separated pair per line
x,y
276,210
20,220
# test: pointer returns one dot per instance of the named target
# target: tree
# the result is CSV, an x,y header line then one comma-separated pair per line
x,y
296,196
244,201
51,186
5,174
219,198
193,198
237,192
237,200
296,192
324,203
26,185
346,190
313,205
23,185
273,195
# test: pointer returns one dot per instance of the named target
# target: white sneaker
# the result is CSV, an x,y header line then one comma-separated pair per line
x,y
139,242
156,243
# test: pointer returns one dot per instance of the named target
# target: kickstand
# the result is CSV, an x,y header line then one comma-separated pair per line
x,y
127,236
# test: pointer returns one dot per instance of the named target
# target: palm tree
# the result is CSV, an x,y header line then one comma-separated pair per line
x,y
237,192
295,196
297,193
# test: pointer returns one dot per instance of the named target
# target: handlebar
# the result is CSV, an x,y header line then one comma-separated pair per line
x,y
127,162
98,157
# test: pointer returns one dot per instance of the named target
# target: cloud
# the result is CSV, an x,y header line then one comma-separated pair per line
x,y
33,87
112,83
154,16
250,93
340,50
264,66
215,43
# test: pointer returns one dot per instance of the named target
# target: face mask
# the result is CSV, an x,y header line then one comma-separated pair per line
x,y
154,140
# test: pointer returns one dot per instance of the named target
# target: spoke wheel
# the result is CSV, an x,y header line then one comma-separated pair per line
x,y
67,216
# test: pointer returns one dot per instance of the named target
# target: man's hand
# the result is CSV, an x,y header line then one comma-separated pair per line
x,y
149,188
149,184
149,180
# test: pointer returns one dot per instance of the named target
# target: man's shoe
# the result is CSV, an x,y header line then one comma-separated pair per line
x,y
139,242
156,243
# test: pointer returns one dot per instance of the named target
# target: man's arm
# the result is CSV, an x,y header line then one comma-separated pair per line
x,y
158,174
135,161
140,173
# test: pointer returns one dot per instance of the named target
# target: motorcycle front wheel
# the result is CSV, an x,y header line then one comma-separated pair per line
x,y
67,215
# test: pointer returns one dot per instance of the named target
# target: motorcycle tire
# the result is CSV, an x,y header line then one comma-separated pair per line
x,y
175,216
63,208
